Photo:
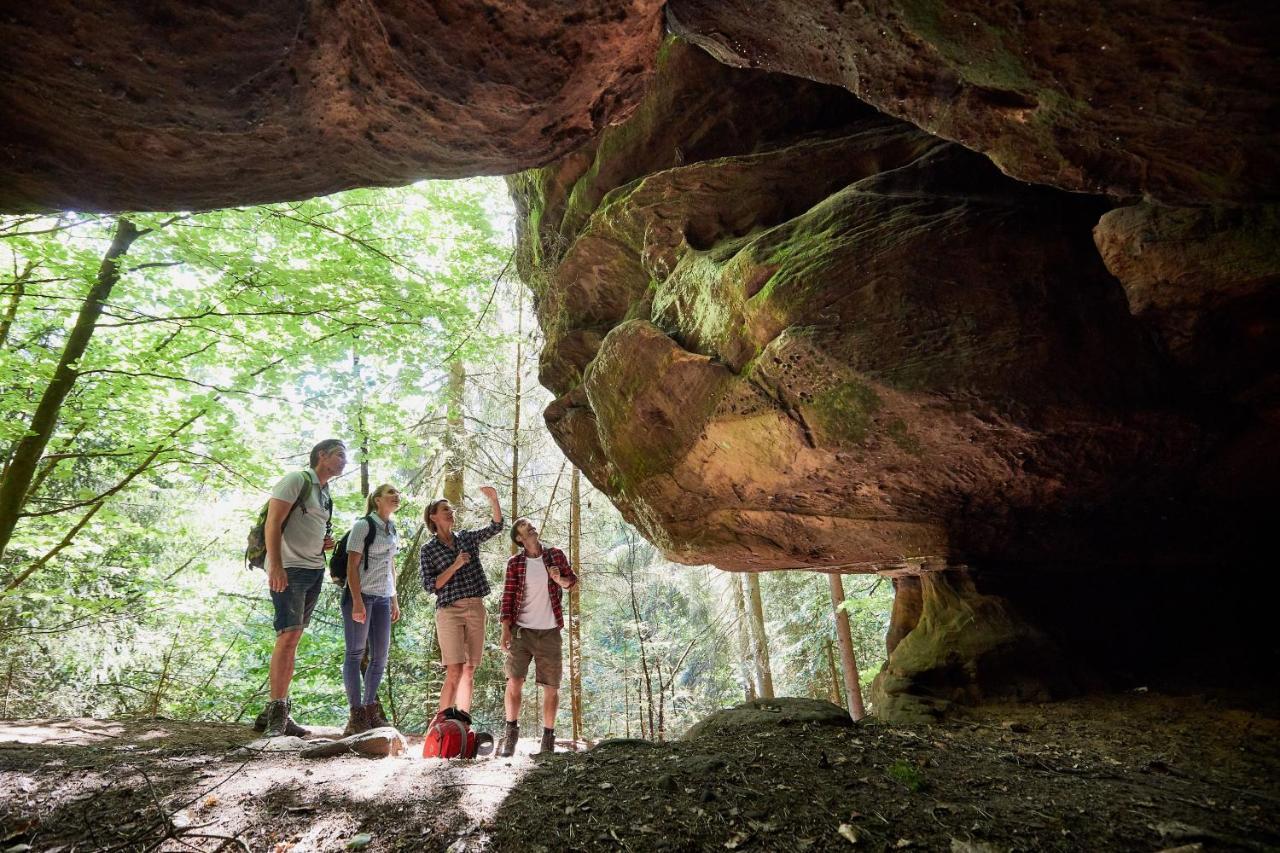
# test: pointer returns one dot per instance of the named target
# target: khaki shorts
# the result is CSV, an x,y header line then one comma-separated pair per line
x,y
460,631
543,647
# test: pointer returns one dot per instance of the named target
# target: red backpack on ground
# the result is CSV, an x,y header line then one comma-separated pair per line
x,y
450,736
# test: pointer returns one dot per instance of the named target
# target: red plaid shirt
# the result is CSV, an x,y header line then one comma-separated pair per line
x,y
513,589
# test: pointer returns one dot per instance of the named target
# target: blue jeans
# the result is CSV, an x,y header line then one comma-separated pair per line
x,y
375,632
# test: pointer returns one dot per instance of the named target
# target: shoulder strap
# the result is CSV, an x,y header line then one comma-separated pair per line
x,y
368,540
300,501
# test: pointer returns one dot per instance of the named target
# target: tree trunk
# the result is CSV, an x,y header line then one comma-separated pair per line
x,y
744,638
362,433
15,299
26,456
644,658
575,613
515,424
761,639
662,703
833,686
454,437
850,664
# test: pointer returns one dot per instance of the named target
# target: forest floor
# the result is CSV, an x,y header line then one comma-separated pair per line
x,y
1137,771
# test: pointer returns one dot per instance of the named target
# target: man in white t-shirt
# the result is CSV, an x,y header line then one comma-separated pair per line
x,y
531,624
298,527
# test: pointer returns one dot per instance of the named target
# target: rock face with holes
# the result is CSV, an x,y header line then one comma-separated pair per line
x,y
787,331
171,105
1173,100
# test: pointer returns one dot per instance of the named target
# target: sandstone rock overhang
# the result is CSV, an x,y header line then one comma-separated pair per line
x,y
1170,100
173,105
790,332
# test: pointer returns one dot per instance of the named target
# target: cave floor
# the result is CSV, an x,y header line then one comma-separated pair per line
x,y
1136,771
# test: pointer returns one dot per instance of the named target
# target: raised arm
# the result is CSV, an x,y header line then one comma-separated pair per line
x,y
495,509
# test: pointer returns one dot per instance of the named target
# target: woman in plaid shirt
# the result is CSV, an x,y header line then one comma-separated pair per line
x,y
450,568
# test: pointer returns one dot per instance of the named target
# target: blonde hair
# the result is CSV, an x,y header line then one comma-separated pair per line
x,y
370,504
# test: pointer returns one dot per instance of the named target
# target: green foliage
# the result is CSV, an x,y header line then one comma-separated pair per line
x,y
236,339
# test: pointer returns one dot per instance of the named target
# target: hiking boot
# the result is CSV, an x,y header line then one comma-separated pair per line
x,y
277,718
291,728
358,722
374,714
548,744
510,734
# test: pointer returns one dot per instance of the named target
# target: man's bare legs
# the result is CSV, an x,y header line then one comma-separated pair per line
x,y
550,703
282,658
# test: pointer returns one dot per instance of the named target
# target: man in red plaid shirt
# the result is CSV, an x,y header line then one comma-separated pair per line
x,y
531,623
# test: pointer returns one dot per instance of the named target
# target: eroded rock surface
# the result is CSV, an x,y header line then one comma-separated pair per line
x,y
175,105
951,643
1170,99
788,332
1205,279
837,342
172,105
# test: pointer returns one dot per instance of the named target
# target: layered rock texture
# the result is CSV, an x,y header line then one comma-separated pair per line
x,y
1169,99
790,332
981,296
172,105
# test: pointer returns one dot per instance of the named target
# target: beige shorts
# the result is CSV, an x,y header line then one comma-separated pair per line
x,y
460,631
543,647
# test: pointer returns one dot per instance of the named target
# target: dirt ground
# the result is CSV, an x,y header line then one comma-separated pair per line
x,y
1131,772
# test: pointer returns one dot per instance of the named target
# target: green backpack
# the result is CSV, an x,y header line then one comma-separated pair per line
x,y
255,553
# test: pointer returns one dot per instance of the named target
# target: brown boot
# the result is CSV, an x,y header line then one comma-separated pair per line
x,y
291,728
510,735
277,717
373,714
548,744
358,722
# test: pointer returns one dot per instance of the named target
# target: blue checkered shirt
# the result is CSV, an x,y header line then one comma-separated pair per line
x,y
469,581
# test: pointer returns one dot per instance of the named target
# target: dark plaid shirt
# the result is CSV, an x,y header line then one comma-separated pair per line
x,y
513,589
469,581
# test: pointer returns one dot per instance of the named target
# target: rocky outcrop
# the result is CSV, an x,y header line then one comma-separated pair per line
x,y
831,341
1173,100
951,644
847,343
171,105
786,330
1205,280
